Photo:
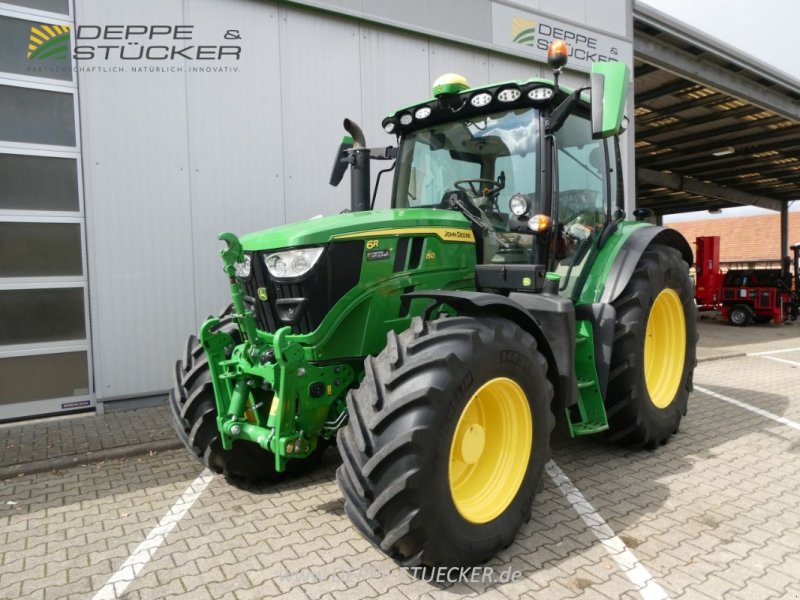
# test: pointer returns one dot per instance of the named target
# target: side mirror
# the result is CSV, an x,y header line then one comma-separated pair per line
x,y
341,162
609,94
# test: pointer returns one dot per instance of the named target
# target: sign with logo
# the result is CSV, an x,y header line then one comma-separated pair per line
x,y
531,33
48,41
133,48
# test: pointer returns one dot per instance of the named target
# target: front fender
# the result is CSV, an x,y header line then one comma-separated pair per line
x,y
559,368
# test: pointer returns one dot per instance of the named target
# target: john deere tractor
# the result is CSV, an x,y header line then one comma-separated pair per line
x,y
437,342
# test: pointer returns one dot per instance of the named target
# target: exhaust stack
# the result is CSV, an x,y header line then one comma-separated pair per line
x,y
359,168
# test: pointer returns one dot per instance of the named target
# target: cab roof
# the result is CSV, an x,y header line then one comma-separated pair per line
x,y
473,101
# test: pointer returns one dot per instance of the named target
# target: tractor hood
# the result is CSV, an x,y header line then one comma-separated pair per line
x,y
325,229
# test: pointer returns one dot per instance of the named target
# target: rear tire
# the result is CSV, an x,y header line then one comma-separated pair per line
x,y
195,420
648,388
741,315
414,457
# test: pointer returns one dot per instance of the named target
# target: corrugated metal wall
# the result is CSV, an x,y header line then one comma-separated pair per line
x,y
172,159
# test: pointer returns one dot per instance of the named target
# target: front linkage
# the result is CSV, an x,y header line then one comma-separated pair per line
x,y
269,392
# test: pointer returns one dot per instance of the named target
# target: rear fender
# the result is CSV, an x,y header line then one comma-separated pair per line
x,y
611,273
631,251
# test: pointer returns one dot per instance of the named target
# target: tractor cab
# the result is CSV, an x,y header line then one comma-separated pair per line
x,y
533,167
490,167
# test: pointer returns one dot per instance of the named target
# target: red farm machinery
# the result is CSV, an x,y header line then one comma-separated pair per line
x,y
746,295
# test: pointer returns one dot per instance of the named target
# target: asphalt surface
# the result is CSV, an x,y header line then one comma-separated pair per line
x,y
713,514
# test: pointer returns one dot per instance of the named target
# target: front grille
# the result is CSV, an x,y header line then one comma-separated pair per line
x,y
336,273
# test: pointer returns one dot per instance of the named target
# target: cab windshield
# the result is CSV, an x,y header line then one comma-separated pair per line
x,y
489,159
501,147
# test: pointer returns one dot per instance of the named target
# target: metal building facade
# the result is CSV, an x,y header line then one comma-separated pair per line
x,y
172,158
45,353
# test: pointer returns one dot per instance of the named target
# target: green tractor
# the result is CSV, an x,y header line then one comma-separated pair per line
x,y
436,343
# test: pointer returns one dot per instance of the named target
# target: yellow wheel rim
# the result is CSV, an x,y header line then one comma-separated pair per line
x,y
664,348
490,450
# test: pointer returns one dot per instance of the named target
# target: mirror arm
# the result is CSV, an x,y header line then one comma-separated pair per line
x,y
383,153
563,110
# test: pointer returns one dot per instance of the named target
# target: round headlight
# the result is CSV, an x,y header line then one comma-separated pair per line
x,y
481,99
509,95
389,127
406,119
518,205
423,112
276,265
300,264
244,268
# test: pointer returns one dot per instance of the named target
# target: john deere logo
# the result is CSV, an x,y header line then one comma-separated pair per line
x,y
49,41
523,31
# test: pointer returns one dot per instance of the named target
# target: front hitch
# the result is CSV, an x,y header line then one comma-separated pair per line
x,y
263,366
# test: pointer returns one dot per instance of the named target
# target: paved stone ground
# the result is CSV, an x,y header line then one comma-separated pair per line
x,y
44,444
715,513
720,340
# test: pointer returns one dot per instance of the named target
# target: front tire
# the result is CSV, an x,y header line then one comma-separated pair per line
x,y
448,436
654,352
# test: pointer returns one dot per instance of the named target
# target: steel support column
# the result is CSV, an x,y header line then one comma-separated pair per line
x,y
784,230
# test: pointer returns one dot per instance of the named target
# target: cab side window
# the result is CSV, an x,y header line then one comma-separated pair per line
x,y
582,197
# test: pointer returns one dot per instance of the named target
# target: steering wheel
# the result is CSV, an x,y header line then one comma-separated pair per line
x,y
476,186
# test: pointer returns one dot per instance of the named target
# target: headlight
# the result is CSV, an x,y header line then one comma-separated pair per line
x,y
244,268
518,205
292,263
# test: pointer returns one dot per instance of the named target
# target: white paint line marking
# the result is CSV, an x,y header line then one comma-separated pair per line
x,y
794,363
635,571
774,352
758,411
119,581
